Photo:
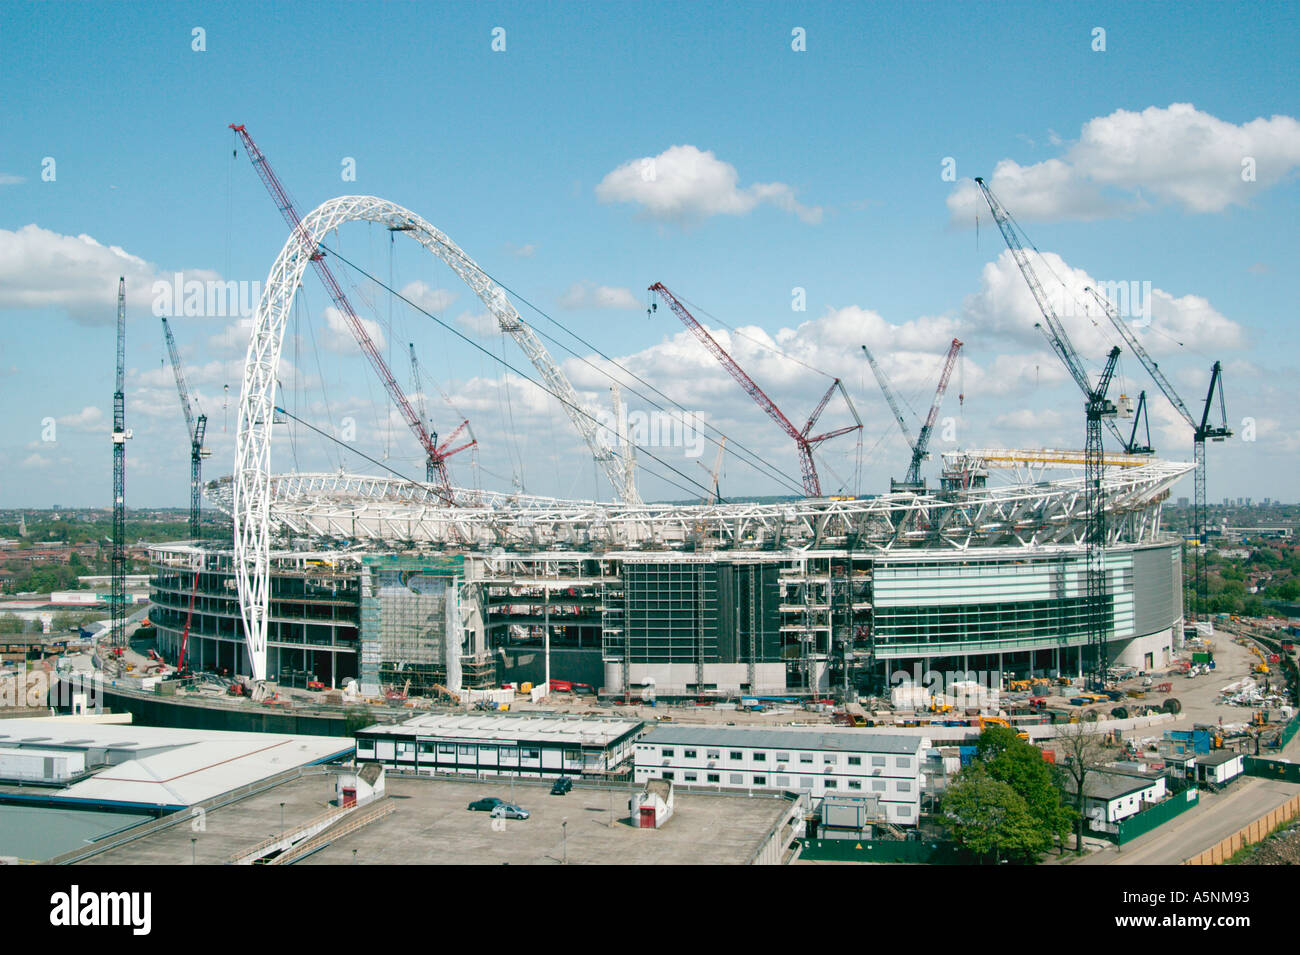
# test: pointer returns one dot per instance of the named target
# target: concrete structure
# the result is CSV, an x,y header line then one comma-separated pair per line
x,y
501,745
432,826
811,761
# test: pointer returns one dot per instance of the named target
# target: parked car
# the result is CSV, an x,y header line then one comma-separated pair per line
x,y
562,786
487,804
508,811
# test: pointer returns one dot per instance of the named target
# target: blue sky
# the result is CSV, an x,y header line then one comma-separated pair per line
x,y
837,153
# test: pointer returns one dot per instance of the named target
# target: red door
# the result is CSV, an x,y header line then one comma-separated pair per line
x,y
647,817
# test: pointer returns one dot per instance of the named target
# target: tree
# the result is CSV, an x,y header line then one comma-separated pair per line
x,y
987,817
1085,751
1020,765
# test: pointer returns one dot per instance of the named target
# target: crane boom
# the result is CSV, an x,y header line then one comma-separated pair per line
x,y
883,381
1149,363
197,429
181,388
920,444
803,443
922,449
1054,330
436,466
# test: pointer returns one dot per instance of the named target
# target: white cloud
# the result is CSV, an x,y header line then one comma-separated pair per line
x,y
1128,160
1004,306
9,179
89,418
1030,419
36,461
435,300
685,184
590,295
478,324
526,251
339,338
43,269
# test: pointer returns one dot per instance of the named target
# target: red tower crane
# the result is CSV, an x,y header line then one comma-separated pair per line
x,y
805,444
435,455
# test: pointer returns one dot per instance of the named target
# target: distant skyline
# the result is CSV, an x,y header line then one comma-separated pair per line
x,y
801,175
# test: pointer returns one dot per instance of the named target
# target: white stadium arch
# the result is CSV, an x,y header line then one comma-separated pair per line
x,y
251,494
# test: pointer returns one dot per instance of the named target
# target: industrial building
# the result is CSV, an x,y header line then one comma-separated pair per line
x,y
817,763
537,746
149,768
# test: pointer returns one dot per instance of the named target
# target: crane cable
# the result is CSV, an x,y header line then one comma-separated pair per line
x,y
509,366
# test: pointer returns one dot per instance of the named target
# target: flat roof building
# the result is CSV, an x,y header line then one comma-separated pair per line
x,y
502,745
155,768
816,762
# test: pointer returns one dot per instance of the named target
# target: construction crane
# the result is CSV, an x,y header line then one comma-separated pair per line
x,y
1099,410
1202,431
435,455
714,497
435,470
196,427
805,444
121,434
1054,330
920,445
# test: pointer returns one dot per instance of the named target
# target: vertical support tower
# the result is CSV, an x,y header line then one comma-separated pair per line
x,y
117,635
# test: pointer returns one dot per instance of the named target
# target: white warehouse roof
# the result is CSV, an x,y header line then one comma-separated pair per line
x,y
170,767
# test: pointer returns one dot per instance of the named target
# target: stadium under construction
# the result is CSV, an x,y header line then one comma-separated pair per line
x,y
420,585
380,581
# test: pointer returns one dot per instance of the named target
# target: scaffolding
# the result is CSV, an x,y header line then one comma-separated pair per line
x,y
410,627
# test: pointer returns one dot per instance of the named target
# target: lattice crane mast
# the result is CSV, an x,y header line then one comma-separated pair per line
x,y
1202,430
121,434
435,455
196,427
920,445
1099,408
805,444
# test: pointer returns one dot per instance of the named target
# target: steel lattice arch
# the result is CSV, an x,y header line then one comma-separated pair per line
x,y
251,493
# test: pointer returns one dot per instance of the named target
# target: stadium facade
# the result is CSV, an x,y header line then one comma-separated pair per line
x,y
378,580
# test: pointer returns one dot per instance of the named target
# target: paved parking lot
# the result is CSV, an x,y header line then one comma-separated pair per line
x,y
432,825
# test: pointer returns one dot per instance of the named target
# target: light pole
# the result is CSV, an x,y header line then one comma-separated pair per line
x,y
193,851
564,840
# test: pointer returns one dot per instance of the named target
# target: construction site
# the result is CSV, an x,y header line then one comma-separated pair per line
x,y
1015,565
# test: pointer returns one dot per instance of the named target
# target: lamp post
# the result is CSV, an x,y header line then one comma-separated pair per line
x,y
564,840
